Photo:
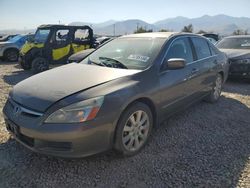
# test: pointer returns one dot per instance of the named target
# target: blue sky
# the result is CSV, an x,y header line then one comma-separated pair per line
x,y
24,14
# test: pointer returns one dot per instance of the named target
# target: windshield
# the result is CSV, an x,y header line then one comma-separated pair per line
x,y
130,53
234,43
41,35
15,39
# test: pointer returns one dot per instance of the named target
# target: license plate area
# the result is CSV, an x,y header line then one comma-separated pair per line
x,y
13,128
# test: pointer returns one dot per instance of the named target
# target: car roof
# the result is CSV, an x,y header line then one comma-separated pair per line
x,y
238,36
150,35
165,35
62,26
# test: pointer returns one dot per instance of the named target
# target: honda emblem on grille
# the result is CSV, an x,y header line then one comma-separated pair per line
x,y
17,110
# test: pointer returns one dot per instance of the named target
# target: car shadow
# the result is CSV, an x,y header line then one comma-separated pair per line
x,y
207,145
16,76
7,63
238,86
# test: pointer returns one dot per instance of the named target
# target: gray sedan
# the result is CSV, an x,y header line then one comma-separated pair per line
x,y
237,49
116,96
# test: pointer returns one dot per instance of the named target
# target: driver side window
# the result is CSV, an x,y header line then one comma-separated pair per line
x,y
180,48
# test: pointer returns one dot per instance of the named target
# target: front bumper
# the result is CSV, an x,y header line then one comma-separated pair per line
x,y
63,140
241,70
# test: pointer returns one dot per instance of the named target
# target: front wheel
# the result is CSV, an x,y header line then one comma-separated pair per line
x,y
39,64
11,55
133,129
216,91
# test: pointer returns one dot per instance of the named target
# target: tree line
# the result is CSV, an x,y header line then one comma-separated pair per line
x,y
188,29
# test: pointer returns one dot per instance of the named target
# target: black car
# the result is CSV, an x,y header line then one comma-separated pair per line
x,y
79,56
115,96
211,35
102,40
237,49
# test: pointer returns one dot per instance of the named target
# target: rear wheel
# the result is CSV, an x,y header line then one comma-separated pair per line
x,y
216,91
39,64
11,55
133,129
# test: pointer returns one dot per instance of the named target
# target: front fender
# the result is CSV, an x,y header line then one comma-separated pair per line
x,y
29,46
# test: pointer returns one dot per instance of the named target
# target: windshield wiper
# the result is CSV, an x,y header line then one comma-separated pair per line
x,y
99,64
121,65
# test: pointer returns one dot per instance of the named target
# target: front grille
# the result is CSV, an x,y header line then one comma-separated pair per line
x,y
20,110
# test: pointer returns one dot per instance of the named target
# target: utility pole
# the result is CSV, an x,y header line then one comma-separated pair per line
x,y
137,26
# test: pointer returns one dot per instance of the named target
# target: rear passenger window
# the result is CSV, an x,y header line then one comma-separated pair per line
x,y
81,35
201,47
180,48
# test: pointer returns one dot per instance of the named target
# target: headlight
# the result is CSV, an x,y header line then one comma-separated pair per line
x,y
77,112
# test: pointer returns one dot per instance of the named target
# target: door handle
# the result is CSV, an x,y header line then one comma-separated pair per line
x,y
193,73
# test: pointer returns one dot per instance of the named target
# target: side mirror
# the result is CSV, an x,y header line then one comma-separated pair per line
x,y
175,63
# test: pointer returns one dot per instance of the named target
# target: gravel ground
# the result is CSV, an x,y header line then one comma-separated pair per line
x,y
208,145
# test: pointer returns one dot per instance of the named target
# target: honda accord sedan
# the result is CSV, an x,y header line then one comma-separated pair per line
x,y
116,96
237,49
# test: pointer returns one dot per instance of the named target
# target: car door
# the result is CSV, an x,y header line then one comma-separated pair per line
x,y
61,45
205,64
81,40
178,86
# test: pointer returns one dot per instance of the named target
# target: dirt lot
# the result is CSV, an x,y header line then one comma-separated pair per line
x,y
208,145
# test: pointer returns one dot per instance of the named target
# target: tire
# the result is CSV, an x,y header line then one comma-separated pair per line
x,y
11,55
130,137
39,64
216,91
26,65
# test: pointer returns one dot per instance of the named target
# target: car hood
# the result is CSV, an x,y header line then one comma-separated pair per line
x,y
77,57
4,43
236,53
42,90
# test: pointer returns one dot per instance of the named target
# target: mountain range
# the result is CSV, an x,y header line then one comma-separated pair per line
x,y
221,24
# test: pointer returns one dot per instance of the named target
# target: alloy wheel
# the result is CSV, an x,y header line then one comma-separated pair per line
x,y
217,87
135,131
